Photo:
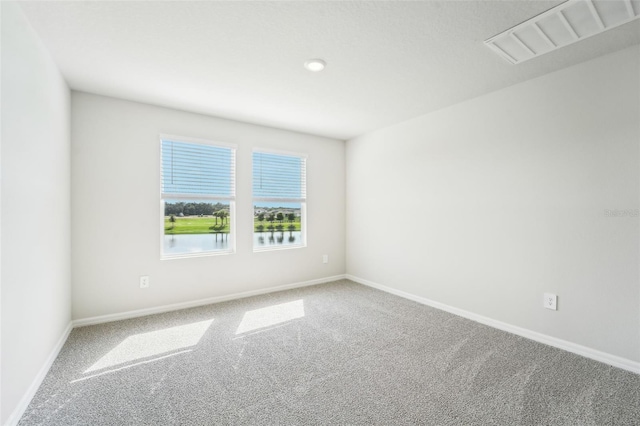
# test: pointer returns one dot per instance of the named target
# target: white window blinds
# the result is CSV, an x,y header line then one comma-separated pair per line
x,y
197,170
279,177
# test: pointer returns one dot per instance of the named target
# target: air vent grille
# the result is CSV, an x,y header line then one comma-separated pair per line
x,y
561,26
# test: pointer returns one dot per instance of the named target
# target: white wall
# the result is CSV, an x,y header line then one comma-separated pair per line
x,y
487,204
115,158
36,300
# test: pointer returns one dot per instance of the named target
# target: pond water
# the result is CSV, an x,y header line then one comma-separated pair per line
x,y
195,243
198,243
277,238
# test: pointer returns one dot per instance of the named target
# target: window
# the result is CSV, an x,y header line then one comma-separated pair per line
x,y
279,200
198,197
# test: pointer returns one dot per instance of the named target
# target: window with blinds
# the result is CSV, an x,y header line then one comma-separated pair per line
x,y
198,195
279,200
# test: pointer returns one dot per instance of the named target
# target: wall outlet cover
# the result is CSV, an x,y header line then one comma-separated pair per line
x,y
144,281
550,301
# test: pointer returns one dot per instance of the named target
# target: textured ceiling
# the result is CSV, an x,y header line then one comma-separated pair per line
x,y
388,61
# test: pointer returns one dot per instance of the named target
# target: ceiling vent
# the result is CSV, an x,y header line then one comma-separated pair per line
x,y
561,26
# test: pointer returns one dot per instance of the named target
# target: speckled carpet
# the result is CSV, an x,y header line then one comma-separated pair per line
x,y
337,353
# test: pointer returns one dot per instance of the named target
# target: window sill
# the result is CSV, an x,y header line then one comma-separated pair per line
x,y
195,255
291,247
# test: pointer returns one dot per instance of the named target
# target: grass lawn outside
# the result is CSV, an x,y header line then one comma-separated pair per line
x,y
194,225
207,225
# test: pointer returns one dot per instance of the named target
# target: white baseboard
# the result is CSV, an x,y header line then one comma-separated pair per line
x,y
192,304
616,361
18,412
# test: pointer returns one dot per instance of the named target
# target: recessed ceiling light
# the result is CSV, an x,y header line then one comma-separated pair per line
x,y
565,24
315,65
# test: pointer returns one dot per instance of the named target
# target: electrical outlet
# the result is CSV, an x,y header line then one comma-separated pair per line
x,y
550,301
144,281
325,258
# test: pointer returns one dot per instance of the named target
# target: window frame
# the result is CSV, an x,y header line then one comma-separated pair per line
x,y
200,197
303,202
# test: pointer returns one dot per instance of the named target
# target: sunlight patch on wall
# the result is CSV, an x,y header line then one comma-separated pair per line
x,y
145,345
271,315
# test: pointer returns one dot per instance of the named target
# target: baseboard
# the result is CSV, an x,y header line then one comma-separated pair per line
x,y
20,409
201,302
616,361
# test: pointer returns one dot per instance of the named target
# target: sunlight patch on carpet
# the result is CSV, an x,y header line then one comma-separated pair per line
x,y
153,343
271,315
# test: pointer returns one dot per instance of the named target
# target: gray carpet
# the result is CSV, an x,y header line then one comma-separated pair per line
x,y
337,353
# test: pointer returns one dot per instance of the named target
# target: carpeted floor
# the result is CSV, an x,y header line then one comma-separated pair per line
x,y
337,353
